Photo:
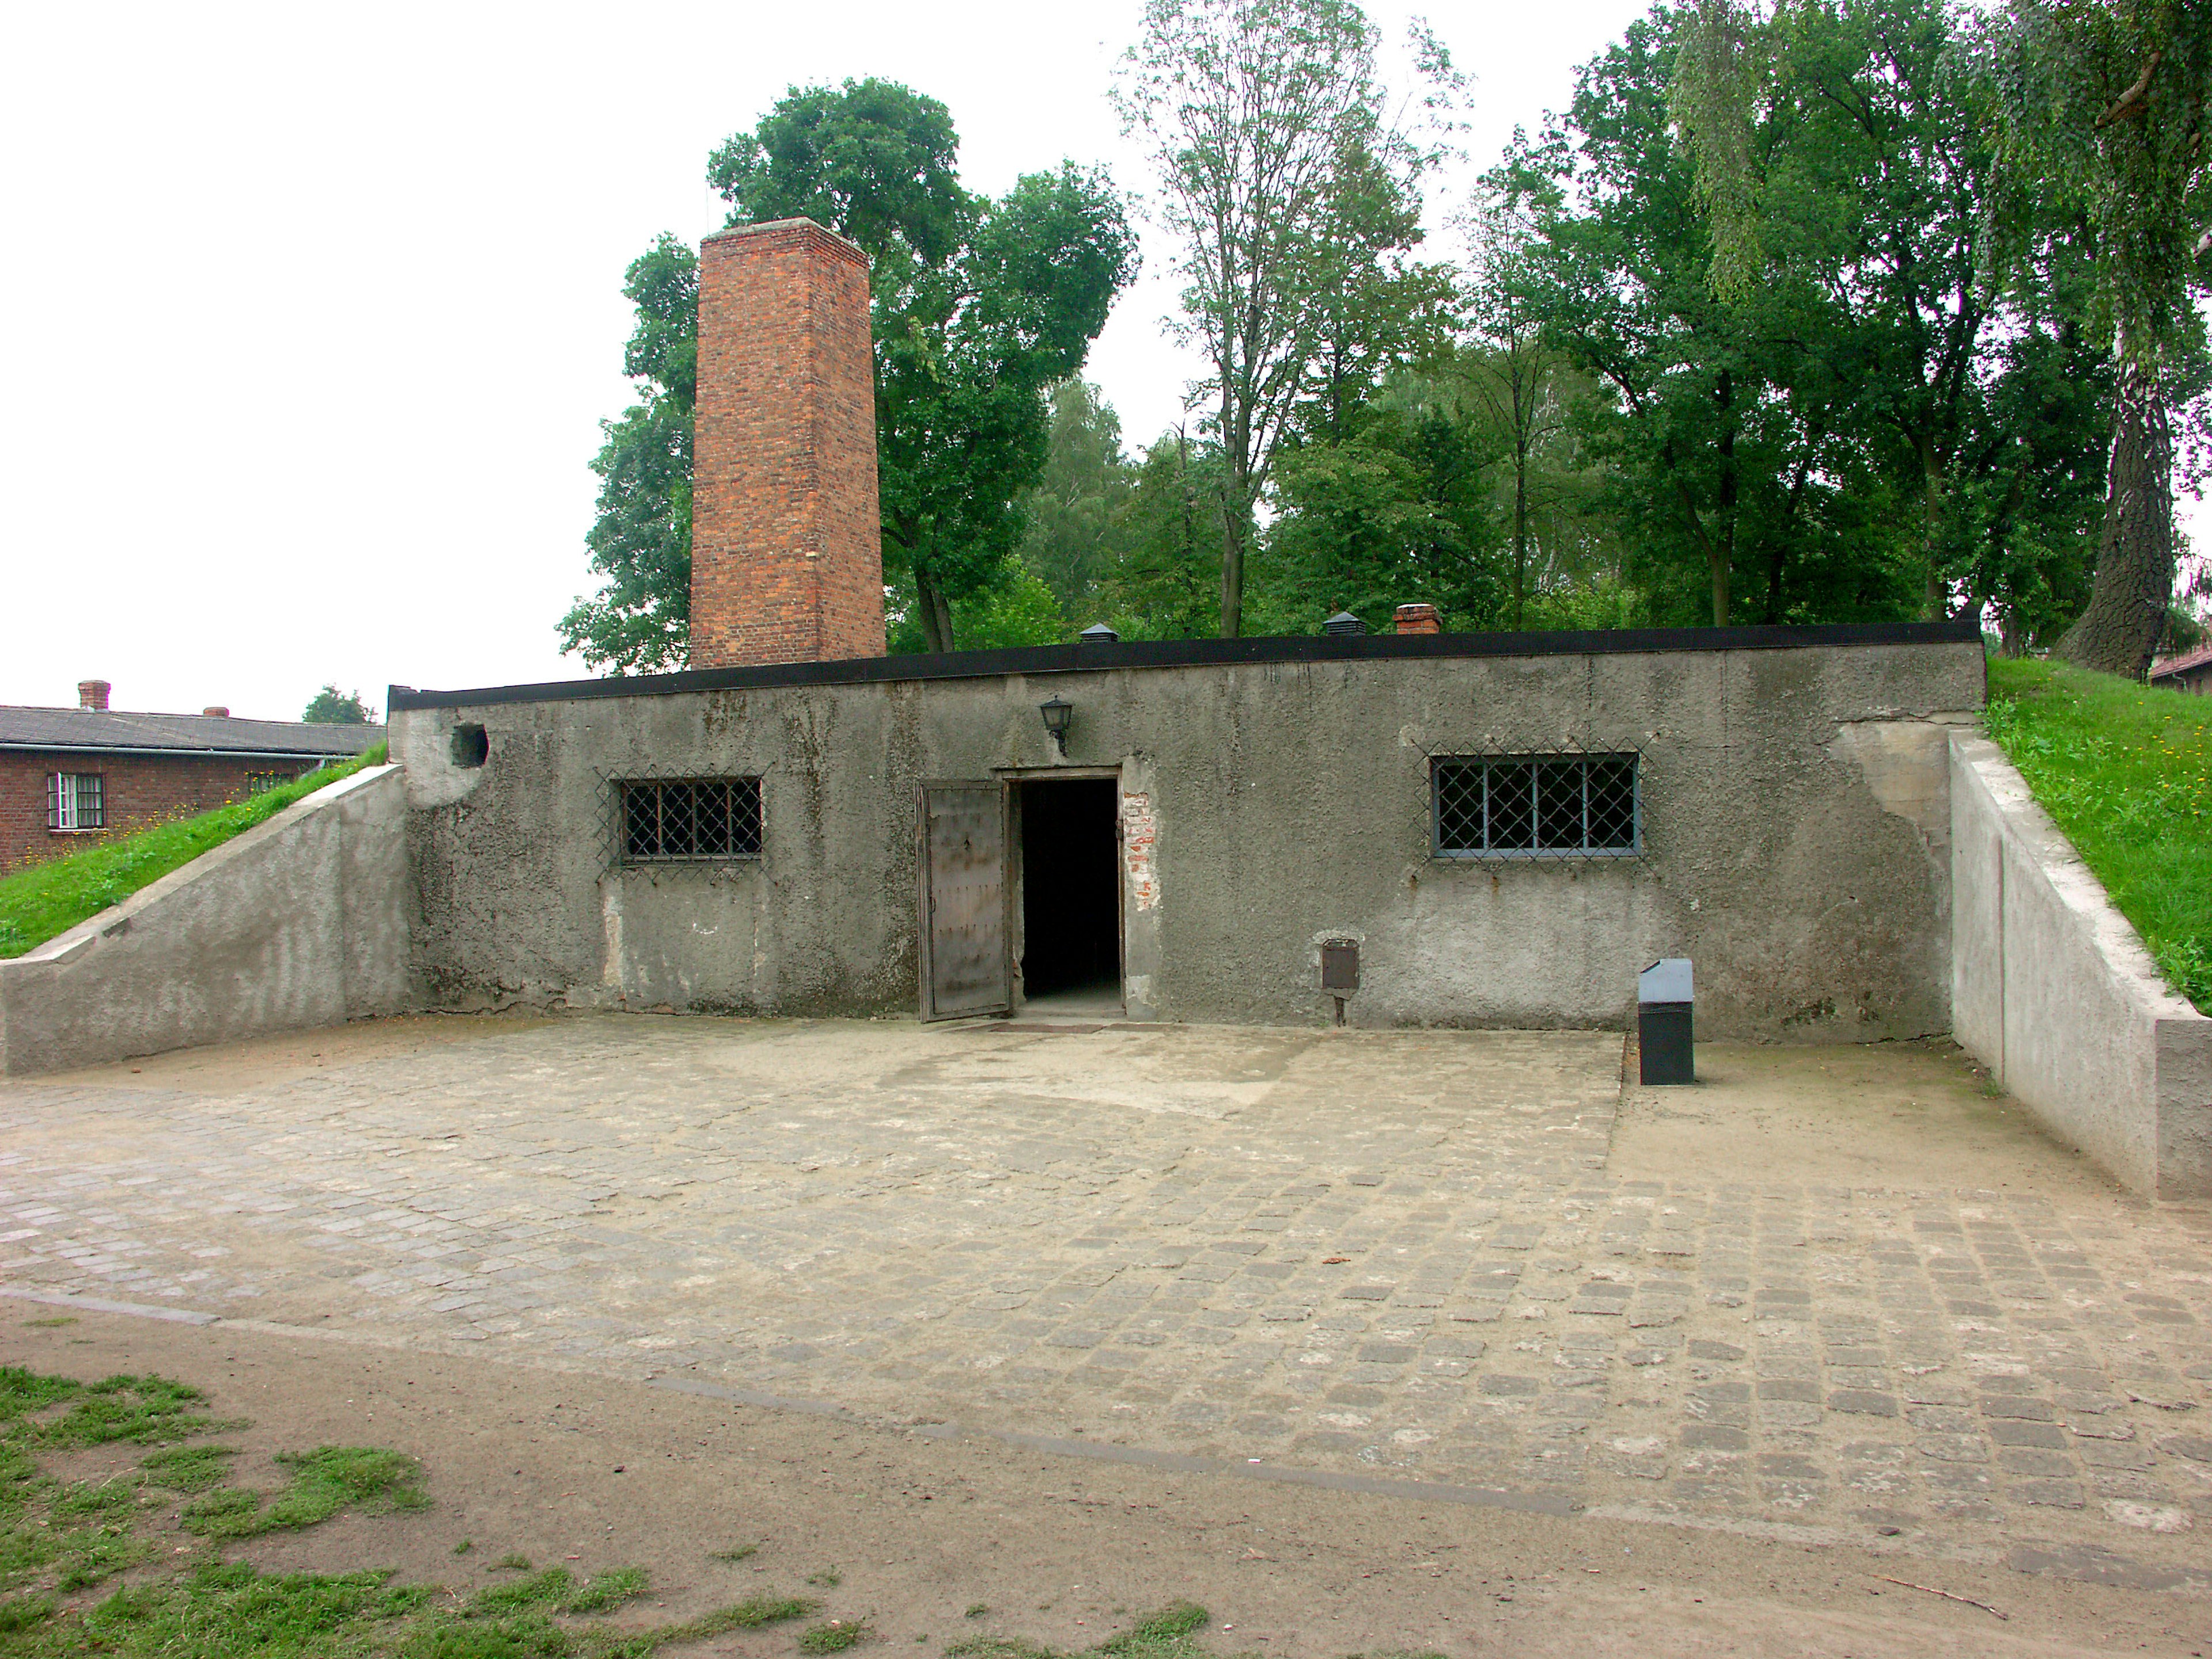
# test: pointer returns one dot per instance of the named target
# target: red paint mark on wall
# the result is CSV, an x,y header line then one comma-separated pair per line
x,y
1138,835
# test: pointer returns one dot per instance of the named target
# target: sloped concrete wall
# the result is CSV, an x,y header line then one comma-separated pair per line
x,y
2053,991
301,921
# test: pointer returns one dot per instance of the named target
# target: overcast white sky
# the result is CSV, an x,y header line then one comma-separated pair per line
x,y
309,314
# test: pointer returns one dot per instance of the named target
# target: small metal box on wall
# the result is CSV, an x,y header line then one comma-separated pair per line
x,y
1339,971
1663,1036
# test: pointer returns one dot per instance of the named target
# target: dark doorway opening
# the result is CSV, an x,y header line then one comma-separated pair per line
x,y
1072,892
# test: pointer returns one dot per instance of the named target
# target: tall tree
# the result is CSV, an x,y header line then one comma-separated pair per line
x,y
1075,531
641,541
2101,115
1292,196
980,306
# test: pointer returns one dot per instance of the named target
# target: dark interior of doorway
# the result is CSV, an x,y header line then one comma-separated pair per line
x,y
1071,891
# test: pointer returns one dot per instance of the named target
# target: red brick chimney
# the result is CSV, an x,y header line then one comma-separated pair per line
x,y
92,694
786,548
1417,619
216,710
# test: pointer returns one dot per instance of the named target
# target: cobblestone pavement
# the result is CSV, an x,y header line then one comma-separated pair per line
x,y
1424,1256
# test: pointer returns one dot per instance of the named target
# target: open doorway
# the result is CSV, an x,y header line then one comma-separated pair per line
x,y
1071,895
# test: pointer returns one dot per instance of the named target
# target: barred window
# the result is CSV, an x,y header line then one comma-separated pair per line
x,y
1535,805
75,800
690,819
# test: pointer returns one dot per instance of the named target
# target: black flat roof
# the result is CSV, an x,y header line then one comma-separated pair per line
x,y
1197,654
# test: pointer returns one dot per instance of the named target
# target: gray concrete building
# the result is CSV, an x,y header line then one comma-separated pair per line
x,y
1506,827
1409,829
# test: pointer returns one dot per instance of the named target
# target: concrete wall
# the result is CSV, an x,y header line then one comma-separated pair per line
x,y
301,921
2052,990
1796,831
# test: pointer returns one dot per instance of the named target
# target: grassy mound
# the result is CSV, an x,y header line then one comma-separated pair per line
x,y
2126,772
48,900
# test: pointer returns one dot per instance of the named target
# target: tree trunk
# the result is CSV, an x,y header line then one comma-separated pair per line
x,y
1232,570
1936,601
933,612
1520,528
2119,629
1722,555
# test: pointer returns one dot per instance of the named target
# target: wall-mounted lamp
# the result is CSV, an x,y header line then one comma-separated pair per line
x,y
1059,714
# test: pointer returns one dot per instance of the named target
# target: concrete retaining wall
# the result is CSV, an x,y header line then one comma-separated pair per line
x,y
301,921
2053,991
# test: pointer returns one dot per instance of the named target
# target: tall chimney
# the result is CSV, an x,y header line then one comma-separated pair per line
x,y
92,694
787,547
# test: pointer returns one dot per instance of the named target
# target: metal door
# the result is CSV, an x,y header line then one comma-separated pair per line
x,y
964,965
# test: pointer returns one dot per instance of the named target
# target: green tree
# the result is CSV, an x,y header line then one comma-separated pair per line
x,y
1075,532
1166,586
980,306
640,540
2100,115
332,707
1293,197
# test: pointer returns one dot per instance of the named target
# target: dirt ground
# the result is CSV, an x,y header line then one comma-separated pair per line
x,y
581,1469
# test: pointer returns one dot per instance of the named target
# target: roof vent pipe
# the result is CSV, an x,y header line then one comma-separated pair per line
x,y
1344,623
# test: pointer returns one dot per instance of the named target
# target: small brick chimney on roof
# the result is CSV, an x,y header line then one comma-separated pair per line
x,y
787,546
92,693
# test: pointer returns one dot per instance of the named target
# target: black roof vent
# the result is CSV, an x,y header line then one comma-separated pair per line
x,y
1099,634
1344,623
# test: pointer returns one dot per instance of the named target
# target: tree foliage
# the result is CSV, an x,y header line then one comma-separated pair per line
x,y
980,306
1293,200
641,539
332,707
2100,119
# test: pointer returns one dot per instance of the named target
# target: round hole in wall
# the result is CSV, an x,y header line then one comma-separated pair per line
x,y
471,746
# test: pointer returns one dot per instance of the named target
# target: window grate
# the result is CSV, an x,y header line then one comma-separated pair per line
x,y
75,800
1536,806
673,818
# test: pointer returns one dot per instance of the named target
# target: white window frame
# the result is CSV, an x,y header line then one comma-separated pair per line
x,y
76,801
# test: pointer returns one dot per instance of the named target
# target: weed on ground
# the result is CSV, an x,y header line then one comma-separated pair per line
x,y
2126,772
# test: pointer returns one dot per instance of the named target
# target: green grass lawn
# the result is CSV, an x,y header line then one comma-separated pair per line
x,y
2126,772
48,899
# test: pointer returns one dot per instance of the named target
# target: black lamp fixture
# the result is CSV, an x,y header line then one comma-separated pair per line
x,y
1059,714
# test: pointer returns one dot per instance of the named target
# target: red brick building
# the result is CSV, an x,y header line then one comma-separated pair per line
x,y
70,777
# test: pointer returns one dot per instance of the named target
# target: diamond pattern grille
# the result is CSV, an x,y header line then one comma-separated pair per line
x,y
1561,805
690,819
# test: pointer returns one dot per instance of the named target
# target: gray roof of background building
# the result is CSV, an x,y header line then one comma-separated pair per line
x,y
182,734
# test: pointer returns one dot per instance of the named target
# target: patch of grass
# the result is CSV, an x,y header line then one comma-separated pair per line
x,y
1168,1634
48,899
51,1324
2126,772
754,1613
323,1481
979,1609
512,1564
59,1539
146,1411
605,1591
188,1468
742,1552
834,1636
827,1578
464,1547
